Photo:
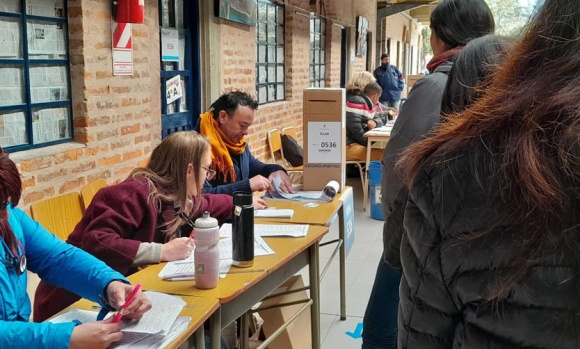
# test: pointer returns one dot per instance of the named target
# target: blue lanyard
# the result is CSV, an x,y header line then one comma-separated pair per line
x,y
18,263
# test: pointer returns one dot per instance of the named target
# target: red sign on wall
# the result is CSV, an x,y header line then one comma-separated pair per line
x,y
122,48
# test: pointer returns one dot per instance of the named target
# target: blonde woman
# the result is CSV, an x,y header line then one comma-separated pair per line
x,y
139,221
360,117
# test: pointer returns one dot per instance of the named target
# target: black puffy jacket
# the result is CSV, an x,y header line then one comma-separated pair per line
x,y
448,269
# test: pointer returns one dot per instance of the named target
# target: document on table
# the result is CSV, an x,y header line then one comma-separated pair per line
x,y
383,130
324,195
274,213
270,230
178,271
158,325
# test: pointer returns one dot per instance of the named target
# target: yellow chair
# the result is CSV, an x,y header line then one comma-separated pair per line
x,y
59,215
290,131
275,144
88,191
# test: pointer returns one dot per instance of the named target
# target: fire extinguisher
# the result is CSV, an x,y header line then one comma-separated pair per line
x,y
129,11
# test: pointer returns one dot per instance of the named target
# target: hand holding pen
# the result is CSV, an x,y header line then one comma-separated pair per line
x,y
128,299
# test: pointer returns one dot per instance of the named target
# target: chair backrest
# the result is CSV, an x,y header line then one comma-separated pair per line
x,y
88,191
275,144
290,131
59,215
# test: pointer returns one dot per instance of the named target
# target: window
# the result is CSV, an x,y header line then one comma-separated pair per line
x,y
270,52
35,106
317,43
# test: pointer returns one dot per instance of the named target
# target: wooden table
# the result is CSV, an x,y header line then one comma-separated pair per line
x,y
322,215
376,139
237,293
198,308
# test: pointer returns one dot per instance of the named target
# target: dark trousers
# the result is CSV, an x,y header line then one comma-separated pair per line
x,y
380,321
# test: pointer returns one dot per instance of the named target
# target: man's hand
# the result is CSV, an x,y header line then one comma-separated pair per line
x,y
117,293
371,124
259,203
260,183
96,335
285,183
176,249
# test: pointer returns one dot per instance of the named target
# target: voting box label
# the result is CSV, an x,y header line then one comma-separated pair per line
x,y
324,142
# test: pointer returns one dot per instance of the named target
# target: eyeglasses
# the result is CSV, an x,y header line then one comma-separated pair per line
x,y
209,174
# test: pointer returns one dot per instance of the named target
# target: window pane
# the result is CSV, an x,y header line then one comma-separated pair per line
x,y
46,40
280,15
262,77
46,8
322,56
48,84
50,124
263,94
262,11
180,13
12,87
271,92
280,92
261,32
261,53
271,73
10,38
183,99
280,34
271,54
280,54
272,14
12,128
10,6
181,48
272,33
322,71
280,73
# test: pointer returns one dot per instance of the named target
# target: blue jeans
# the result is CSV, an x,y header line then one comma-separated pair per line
x,y
391,104
380,321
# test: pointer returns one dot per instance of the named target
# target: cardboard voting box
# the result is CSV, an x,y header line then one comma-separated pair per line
x,y
298,334
324,137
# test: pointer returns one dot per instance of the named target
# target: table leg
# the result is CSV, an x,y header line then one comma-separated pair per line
x,y
244,328
215,329
342,262
366,181
315,295
200,338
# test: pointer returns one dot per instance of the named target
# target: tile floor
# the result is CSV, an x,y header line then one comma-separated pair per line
x,y
361,266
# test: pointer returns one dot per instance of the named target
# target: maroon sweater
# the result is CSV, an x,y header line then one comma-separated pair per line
x,y
117,221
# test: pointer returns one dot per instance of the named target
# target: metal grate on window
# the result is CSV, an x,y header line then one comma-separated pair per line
x,y
270,77
317,52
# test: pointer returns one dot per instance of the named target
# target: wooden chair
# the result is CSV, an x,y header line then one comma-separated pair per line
x,y
59,215
275,144
88,191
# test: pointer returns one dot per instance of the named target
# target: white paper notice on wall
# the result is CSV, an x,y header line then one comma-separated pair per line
x,y
324,142
173,89
169,45
122,48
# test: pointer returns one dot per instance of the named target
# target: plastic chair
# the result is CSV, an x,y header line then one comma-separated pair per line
x,y
59,214
275,144
290,131
88,191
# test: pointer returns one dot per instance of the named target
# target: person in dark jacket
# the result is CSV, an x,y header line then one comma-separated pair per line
x,y
226,126
137,222
492,231
453,24
391,81
360,118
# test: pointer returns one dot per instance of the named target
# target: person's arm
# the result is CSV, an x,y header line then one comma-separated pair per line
x,y
257,167
227,188
400,80
355,128
33,335
425,292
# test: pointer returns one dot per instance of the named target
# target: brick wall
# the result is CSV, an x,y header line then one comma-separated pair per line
x,y
116,119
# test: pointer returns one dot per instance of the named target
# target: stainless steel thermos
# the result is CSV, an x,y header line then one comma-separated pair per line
x,y
243,230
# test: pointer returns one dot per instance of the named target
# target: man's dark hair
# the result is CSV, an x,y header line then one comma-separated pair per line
x,y
384,55
229,102
456,22
372,88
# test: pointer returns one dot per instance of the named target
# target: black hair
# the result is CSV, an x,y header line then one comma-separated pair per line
x,y
456,22
229,102
384,55
472,67
372,88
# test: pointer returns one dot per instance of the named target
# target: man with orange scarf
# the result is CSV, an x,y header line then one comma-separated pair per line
x,y
226,126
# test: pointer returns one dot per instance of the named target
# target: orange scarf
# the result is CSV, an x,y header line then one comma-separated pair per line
x,y
221,147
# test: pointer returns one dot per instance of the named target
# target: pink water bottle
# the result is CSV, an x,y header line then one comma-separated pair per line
x,y
206,253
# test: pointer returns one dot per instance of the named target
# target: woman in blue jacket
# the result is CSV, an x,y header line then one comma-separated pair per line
x,y
24,244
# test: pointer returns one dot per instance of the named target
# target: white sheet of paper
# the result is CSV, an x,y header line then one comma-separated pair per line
x,y
270,230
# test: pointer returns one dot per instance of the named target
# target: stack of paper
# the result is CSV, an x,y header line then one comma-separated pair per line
x,y
274,213
159,326
270,230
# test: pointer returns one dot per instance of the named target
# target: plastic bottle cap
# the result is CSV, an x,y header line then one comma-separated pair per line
x,y
206,221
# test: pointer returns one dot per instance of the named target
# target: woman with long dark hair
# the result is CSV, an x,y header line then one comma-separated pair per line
x,y
492,231
25,245
453,24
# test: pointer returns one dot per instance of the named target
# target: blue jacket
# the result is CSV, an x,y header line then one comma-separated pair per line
x,y
391,81
246,166
55,262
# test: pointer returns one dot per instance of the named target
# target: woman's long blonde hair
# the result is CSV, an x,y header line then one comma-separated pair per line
x,y
166,172
358,81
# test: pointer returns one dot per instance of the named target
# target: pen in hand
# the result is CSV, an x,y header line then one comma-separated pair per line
x,y
132,295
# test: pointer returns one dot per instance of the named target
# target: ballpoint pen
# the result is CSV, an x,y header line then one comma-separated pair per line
x,y
187,221
119,314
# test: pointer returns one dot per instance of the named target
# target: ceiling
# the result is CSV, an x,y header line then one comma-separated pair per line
x,y
418,9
